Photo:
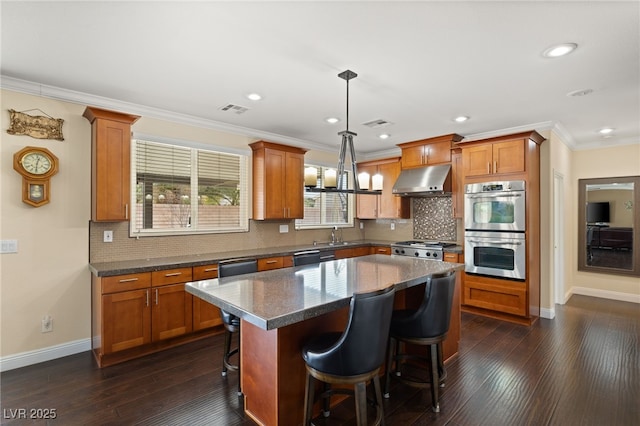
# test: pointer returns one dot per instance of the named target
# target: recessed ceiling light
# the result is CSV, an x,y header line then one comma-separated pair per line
x,y
461,119
559,50
605,130
332,120
254,96
384,136
582,92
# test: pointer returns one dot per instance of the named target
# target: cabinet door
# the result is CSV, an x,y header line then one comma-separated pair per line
x,y
391,206
294,186
439,152
205,314
111,175
508,157
172,312
367,205
497,295
476,160
275,169
126,319
413,156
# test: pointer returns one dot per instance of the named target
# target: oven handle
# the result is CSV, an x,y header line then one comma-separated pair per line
x,y
502,243
509,194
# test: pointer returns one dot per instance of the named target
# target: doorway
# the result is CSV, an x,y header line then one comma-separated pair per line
x,y
558,238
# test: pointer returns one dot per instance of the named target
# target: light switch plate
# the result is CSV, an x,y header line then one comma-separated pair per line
x,y
108,236
9,246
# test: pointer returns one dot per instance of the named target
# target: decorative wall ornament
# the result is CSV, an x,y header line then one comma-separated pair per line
x,y
36,126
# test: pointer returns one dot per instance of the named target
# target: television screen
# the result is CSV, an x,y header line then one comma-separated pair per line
x,y
598,212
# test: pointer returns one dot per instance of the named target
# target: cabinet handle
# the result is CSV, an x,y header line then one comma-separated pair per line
x,y
126,211
489,167
270,262
128,280
147,302
156,296
495,167
210,269
174,274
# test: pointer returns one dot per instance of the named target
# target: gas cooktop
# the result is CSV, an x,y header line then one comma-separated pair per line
x,y
426,249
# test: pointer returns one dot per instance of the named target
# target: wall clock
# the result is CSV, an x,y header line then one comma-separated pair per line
x,y
36,165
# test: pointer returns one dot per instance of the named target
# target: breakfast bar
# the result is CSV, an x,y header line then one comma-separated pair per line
x,y
281,309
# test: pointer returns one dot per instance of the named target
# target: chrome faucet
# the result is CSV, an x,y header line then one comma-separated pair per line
x,y
333,235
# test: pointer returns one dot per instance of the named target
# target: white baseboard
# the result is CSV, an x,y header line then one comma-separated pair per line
x,y
605,294
547,313
24,359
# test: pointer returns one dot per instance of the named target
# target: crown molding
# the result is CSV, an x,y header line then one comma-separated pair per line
x,y
542,126
72,96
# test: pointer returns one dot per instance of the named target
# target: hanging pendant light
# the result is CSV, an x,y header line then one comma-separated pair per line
x,y
360,181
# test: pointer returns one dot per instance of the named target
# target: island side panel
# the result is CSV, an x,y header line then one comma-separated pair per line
x,y
273,371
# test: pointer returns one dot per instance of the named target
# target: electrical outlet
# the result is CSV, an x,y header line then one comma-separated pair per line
x,y
393,226
361,225
108,236
47,324
284,229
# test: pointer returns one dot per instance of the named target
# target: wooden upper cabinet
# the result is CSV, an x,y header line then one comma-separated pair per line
x,y
110,164
278,181
498,156
386,205
428,151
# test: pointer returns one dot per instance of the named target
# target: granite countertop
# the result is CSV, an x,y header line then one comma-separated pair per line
x,y
133,266
277,298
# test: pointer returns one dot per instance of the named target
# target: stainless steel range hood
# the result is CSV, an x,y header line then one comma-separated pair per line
x,y
426,181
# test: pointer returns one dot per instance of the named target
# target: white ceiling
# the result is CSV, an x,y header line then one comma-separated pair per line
x,y
420,64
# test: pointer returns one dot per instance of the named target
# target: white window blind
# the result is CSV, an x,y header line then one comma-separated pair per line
x,y
181,189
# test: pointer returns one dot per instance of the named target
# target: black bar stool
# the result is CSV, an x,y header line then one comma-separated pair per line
x,y
231,322
427,326
352,357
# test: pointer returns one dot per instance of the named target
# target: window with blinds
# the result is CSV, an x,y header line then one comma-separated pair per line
x,y
180,189
325,209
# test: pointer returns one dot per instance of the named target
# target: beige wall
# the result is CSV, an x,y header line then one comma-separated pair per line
x,y
48,275
599,163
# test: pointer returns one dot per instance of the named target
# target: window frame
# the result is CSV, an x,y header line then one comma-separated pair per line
x,y
194,147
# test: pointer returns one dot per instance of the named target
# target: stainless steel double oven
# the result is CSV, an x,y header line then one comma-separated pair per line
x,y
495,225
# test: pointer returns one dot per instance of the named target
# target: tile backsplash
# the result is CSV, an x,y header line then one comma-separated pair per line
x,y
432,219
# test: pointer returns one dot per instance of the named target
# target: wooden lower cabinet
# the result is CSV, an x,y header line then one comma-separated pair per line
x,y
127,320
137,314
205,315
277,262
352,252
505,296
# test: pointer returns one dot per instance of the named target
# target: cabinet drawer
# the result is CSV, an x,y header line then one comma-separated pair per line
x,y
380,250
497,295
126,282
170,276
450,257
205,272
269,263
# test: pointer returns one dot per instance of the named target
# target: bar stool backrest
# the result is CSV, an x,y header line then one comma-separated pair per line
x,y
433,316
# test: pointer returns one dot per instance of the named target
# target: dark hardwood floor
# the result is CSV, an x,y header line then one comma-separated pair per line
x,y
582,368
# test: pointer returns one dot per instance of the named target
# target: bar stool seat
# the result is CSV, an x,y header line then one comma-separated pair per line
x,y
352,357
232,322
426,326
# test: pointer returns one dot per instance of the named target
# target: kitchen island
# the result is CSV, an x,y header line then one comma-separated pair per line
x,y
282,309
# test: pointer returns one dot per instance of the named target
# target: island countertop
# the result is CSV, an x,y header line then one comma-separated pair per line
x,y
277,298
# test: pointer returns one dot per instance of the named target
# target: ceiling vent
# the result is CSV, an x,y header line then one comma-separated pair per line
x,y
234,108
377,123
